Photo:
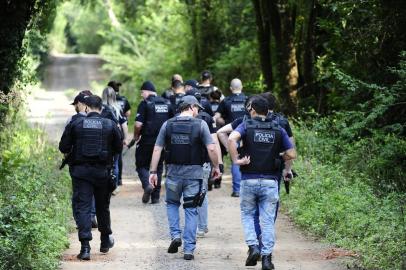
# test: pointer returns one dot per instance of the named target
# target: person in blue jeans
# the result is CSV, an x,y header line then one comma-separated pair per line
x,y
259,160
185,139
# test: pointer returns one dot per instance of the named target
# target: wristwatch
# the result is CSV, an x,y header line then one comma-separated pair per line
x,y
152,172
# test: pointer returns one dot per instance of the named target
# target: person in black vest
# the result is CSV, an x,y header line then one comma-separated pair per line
x,y
231,108
179,91
92,141
192,85
202,225
167,93
80,107
205,86
152,112
184,139
259,158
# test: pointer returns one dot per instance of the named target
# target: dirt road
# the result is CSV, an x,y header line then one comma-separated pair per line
x,y
141,231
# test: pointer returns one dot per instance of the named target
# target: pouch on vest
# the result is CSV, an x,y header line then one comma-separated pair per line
x,y
92,137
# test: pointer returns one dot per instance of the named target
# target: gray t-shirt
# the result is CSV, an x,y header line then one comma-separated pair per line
x,y
185,171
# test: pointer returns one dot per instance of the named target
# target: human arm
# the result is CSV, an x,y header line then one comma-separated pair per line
x,y
66,142
222,134
233,140
156,155
117,143
137,130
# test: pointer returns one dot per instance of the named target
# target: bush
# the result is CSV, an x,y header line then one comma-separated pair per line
x,y
34,201
337,204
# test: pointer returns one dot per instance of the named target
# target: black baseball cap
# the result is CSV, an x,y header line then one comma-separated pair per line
x,y
115,85
81,97
192,83
149,86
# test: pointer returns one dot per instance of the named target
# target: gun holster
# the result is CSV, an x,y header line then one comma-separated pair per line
x,y
197,200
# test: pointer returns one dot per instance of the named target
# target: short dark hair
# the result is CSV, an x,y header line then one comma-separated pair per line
x,y
216,94
94,102
259,104
176,84
271,100
206,75
86,92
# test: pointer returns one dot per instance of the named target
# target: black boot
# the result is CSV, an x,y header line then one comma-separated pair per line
x,y
253,255
107,242
84,251
267,262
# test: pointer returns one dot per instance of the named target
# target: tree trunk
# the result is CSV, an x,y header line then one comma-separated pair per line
x,y
283,16
308,56
264,41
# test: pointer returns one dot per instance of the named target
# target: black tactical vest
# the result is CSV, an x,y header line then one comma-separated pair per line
x,y
263,143
183,143
93,140
175,101
205,90
76,117
158,112
236,107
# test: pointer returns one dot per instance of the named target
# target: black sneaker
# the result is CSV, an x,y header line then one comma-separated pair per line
x,y
106,243
154,200
84,251
267,262
188,256
235,194
175,244
253,254
147,194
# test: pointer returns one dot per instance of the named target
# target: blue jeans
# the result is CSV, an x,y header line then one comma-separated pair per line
x,y
236,175
203,210
256,218
143,174
175,189
264,194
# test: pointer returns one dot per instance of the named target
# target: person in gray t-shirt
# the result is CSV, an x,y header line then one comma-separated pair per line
x,y
184,139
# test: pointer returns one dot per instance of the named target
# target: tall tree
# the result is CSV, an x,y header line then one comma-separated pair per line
x,y
264,40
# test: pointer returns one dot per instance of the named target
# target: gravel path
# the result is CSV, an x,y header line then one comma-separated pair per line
x,y
141,231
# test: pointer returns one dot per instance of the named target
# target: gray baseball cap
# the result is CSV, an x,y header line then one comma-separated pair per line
x,y
189,100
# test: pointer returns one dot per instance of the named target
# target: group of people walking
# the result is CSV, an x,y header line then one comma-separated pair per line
x,y
185,132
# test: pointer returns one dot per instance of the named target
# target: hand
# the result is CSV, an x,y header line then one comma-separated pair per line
x,y
153,179
243,161
287,175
216,173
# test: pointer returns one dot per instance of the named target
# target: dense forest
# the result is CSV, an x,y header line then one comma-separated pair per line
x,y
337,67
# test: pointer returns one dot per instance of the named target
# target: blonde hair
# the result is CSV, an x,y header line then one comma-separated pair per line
x,y
109,99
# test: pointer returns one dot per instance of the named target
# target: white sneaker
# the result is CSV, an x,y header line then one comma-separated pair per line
x,y
116,191
202,234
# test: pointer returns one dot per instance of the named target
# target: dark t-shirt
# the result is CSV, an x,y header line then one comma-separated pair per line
x,y
224,108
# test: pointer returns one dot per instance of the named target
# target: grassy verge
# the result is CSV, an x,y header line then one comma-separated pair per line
x,y
337,202
34,200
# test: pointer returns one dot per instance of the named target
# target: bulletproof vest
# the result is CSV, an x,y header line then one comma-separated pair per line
x,y
183,143
158,112
108,114
214,106
175,101
262,142
121,100
93,140
205,90
236,107
278,119
76,117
